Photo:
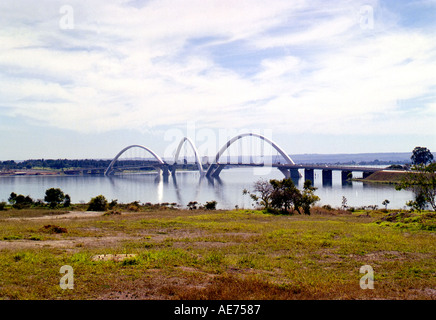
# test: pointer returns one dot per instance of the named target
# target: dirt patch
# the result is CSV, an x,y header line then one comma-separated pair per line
x,y
68,215
71,243
113,257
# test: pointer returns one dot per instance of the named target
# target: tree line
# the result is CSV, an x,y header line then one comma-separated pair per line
x,y
54,164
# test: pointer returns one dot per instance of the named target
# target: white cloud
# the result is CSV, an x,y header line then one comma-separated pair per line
x,y
139,67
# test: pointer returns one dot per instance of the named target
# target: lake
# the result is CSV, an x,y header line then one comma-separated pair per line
x,y
187,186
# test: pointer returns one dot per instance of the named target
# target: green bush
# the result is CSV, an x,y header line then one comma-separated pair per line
x,y
98,203
210,205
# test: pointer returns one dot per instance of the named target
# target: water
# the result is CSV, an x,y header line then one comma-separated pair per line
x,y
187,186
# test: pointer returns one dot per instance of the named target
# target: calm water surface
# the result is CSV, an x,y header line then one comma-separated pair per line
x,y
188,186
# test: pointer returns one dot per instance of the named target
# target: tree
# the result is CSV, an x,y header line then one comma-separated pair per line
x,y
12,198
285,196
67,201
264,189
55,196
421,156
309,198
98,203
385,203
422,182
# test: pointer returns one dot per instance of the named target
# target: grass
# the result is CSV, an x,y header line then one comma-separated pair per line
x,y
236,254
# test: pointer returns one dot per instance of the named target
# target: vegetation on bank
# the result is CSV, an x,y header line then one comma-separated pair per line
x,y
163,252
53,164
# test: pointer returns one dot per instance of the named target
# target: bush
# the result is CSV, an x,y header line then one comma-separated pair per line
x,y
192,205
98,203
53,229
19,201
113,204
210,205
2,206
133,206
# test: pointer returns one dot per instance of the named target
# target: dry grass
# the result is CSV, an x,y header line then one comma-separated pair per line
x,y
244,254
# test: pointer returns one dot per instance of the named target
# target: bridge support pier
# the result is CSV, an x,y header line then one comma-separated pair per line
x,y
309,175
327,177
172,170
218,170
290,173
345,175
163,171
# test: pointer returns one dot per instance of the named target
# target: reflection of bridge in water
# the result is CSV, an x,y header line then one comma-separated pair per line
x,y
213,170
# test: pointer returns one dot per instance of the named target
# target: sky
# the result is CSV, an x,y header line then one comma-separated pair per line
x,y
84,79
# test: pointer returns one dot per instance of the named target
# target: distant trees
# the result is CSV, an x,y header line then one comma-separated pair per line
x,y
283,196
53,197
54,164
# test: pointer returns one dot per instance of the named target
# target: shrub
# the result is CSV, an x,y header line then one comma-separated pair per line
x,y
19,201
53,229
192,205
98,203
210,205
112,212
113,204
2,206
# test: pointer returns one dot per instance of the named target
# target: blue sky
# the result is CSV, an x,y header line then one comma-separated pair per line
x,y
87,79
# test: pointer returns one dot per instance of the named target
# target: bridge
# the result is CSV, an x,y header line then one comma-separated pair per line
x,y
289,168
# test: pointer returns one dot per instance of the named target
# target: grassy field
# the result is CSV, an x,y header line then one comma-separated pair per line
x,y
163,253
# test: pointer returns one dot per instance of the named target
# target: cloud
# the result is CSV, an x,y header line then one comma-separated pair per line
x,y
157,63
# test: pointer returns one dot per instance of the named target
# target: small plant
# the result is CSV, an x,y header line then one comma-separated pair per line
x,y
385,203
344,205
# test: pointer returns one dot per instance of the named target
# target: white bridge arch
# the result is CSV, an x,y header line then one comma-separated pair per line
x,y
197,156
212,170
111,165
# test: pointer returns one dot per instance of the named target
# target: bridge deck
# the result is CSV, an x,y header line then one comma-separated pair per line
x,y
306,166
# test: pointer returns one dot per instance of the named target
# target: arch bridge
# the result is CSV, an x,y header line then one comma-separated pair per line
x,y
288,168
